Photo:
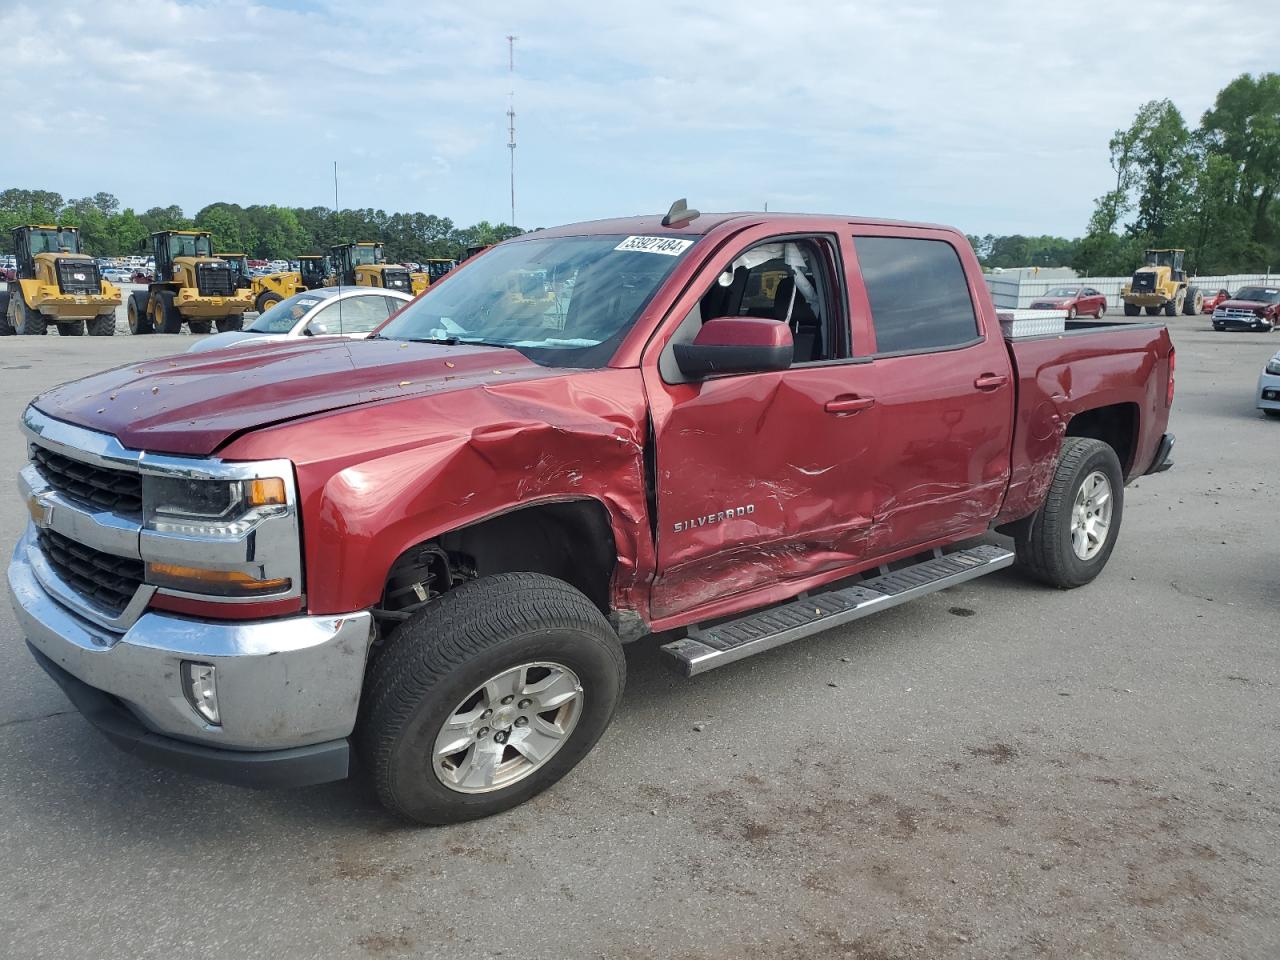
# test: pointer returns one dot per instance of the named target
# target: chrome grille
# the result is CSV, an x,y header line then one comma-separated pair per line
x,y
1235,313
102,488
104,579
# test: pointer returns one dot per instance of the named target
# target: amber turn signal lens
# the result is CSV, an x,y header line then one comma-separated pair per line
x,y
264,493
220,583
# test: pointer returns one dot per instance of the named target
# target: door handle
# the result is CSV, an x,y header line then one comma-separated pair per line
x,y
849,404
991,381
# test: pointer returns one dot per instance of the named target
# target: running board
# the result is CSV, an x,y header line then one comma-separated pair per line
x,y
704,650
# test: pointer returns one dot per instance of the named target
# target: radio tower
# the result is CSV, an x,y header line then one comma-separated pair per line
x,y
511,119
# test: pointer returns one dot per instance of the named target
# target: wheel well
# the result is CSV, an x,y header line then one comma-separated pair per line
x,y
1116,425
571,541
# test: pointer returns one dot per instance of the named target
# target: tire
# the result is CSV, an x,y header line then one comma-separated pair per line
x,y
1171,308
436,664
140,322
28,322
1219,327
1152,311
167,312
1071,314
6,328
1131,310
1192,305
266,299
1045,546
71,328
1273,414
201,326
235,322
103,325
1102,311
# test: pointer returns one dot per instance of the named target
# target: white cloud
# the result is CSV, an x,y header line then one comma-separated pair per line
x,y
993,116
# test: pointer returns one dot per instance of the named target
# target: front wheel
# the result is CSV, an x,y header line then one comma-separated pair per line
x,y
200,326
1071,314
1131,310
233,323
138,314
103,325
71,328
266,300
488,696
1152,311
1068,541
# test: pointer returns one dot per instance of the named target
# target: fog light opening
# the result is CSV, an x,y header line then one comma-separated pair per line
x,y
201,689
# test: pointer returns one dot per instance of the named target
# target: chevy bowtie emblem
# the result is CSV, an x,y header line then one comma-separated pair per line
x,y
40,511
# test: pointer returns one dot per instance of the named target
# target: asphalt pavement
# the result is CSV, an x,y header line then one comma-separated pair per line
x,y
997,770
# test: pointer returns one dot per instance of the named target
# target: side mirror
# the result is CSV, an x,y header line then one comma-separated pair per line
x,y
315,329
736,345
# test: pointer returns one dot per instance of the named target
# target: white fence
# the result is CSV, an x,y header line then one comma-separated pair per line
x,y
1019,292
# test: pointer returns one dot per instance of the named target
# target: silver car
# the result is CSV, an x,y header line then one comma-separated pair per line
x,y
1269,387
329,311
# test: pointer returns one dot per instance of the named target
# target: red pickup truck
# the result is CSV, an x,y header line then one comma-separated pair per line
x,y
430,546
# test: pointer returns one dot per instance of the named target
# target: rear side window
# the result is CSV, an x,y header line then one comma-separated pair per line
x,y
919,297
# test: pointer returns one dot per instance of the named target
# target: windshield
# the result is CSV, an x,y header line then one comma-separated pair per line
x,y
563,302
1062,292
284,316
54,241
1259,294
186,245
364,255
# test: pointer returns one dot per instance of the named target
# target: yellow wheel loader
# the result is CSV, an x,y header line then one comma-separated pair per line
x,y
362,265
192,286
239,264
57,284
1161,284
312,273
435,268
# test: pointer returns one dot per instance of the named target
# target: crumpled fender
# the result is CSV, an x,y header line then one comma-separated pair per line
x,y
376,480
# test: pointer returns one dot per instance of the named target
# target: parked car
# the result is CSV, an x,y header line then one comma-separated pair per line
x,y
329,311
1252,308
8,274
1077,301
430,545
1212,299
1269,387
141,276
116,275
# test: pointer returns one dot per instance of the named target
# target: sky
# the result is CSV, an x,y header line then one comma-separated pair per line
x,y
993,117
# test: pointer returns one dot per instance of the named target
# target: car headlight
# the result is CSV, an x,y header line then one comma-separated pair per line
x,y
1273,366
210,508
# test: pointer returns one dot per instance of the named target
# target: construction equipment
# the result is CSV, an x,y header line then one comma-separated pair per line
x,y
362,265
1161,284
239,264
433,270
192,286
56,282
312,273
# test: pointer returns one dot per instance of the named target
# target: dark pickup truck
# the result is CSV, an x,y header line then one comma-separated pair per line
x,y
428,547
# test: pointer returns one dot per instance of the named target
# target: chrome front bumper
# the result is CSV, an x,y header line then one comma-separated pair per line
x,y
282,684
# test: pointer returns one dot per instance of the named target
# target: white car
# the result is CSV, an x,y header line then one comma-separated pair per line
x,y
1269,387
329,311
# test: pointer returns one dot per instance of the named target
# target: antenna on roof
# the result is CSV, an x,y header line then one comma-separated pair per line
x,y
680,214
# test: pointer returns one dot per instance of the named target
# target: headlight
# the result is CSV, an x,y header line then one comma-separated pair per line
x,y
210,508
1273,366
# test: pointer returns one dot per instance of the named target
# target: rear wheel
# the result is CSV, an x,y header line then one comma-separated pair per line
x,y
266,300
1071,313
1068,541
1152,311
166,317
1194,302
231,323
103,325
139,317
6,328
1130,310
71,328
1171,308
26,321
1102,311
201,326
488,696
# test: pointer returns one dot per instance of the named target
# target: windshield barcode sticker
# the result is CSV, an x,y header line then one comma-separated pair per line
x,y
669,246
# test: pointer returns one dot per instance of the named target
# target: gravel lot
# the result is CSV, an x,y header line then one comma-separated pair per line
x,y
997,770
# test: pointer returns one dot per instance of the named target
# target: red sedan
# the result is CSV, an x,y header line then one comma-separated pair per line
x,y
1077,301
1211,300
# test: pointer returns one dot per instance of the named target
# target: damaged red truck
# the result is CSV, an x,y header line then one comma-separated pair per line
x,y
426,549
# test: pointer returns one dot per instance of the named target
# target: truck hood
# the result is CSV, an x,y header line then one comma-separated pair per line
x,y
1245,304
192,404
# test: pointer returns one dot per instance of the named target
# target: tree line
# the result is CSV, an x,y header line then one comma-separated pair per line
x,y
1211,190
265,232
